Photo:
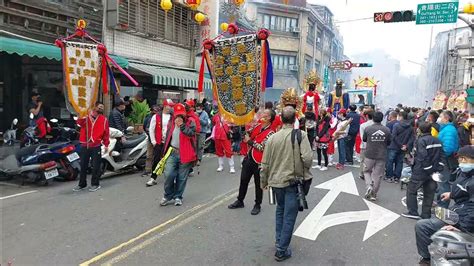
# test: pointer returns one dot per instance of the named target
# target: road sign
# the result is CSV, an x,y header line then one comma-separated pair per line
x,y
377,217
437,13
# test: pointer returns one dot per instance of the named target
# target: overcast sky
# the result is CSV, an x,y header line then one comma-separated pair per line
x,y
403,41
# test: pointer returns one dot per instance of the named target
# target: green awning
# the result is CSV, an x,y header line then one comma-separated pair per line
x,y
40,50
168,76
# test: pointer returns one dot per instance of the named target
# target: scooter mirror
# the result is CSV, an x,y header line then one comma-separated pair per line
x,y
53,120
15,121
32,116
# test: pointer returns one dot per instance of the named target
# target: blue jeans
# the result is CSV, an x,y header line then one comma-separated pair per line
x,y
176,176
341,149
286,212
424,229
394,157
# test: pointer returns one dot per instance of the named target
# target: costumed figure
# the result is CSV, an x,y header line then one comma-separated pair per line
x,y
311,97
337,99
290,97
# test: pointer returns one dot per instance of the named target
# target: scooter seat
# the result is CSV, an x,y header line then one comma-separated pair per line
x,y
133,141
26,151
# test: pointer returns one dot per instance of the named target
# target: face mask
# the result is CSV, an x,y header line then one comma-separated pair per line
x,y
440,121
466,167
199,111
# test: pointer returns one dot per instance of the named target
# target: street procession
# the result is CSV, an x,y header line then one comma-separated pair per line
x,y
236,132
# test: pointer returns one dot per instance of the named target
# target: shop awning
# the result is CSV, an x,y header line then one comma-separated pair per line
x,y
40,50
168,76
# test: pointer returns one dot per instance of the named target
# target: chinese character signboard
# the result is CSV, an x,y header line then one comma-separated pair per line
x,y
437,13
82,64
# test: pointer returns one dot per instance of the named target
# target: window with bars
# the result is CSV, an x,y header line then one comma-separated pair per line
x,y
147,18
277,23
283,62
311,33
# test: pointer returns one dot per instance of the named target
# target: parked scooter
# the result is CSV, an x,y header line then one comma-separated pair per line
x,y
132,152
9,136
33,163
451,247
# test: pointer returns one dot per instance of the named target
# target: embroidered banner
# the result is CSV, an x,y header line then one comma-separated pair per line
x,y
236,66
82,70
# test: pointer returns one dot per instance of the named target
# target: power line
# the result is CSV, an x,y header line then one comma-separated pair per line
x,y
353,20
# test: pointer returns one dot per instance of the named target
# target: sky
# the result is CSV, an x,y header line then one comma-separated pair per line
x,y
403,41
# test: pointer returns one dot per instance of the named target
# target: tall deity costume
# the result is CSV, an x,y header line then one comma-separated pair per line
x,y
311,97
338,99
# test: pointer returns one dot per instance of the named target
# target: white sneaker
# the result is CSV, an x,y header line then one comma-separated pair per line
x,y
232,170
220,169
324,168
316,167
330,164
165,201
178,202
151,182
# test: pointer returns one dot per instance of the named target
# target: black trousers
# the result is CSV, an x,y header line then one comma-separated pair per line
x,y
429,189
250,168
157,155
324,154
87,154
350,143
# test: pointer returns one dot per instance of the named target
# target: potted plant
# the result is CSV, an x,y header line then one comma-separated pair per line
x,y
139,111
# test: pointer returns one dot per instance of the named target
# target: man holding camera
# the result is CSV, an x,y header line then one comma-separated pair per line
x,y
286,171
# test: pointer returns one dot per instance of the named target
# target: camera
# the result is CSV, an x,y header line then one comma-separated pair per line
x,y
300,194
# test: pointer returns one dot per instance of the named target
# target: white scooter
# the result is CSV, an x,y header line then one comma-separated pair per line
x,y
132,152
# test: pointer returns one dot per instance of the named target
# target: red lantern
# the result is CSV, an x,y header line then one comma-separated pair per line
x,y
193,4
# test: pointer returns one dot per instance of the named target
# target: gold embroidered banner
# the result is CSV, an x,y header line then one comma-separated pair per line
x,y
236,69
82,68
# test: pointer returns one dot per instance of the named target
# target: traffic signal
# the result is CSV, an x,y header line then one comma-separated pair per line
x,y
395,16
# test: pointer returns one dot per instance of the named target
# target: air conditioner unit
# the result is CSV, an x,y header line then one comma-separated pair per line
x,y
296,30
293,67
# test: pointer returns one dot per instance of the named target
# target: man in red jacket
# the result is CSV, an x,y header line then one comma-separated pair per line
x,y
251,165
222,142
181,137
94,133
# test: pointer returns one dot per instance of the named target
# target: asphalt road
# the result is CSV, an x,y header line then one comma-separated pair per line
x,y
123,224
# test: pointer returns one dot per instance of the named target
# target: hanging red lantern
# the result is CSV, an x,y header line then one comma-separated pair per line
x,y
193,4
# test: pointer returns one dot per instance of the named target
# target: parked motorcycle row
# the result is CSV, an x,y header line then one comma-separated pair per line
x,y
55,155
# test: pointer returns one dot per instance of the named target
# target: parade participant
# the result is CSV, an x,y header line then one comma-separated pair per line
x,y
402,142
377,138
368,116
205,129
332,130
189,105
322,138
181,138
158,126
448,136
35,108
256,140
351,135
462,193
342,128
310,124
277,124
311,99
338,99
222,142
94,133
281,166
149,149
117,117
428,155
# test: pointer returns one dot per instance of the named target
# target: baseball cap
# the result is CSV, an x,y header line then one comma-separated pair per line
x,y
168,102
343,111
190,103
466,151
179,109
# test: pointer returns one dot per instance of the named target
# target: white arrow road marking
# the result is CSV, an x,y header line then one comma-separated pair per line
x,y
377,217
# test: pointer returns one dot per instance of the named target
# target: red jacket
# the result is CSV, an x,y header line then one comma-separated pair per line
x,y
277,123
187,140
221,127
158,130
258,138
194,116
94,132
